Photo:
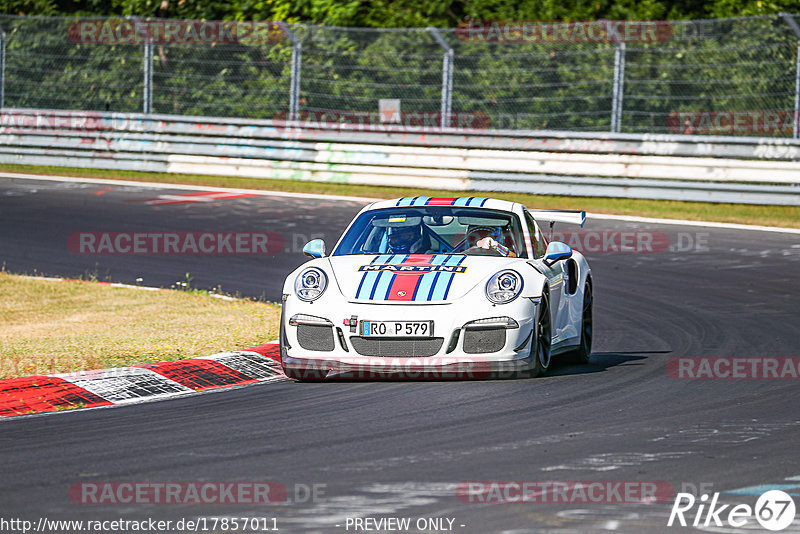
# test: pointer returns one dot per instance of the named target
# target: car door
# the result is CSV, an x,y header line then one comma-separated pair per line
x,y
554,274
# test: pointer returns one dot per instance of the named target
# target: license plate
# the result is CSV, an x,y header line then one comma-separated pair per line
x,y
397,328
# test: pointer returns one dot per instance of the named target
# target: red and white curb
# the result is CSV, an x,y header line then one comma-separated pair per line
x,y
125,385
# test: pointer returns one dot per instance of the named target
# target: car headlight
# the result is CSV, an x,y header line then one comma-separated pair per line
x,y
310,284
504,287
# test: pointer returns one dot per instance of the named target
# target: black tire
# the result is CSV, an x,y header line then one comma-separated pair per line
x,y
583,353
543,339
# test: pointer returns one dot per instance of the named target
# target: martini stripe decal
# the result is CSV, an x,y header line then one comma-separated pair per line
x,y
417,277
472,202
368,280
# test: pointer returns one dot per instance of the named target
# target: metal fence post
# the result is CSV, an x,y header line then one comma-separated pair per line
x,y
294,91
795,129
294,82
796,29
618,87
147,69
2,69
447,77
147,105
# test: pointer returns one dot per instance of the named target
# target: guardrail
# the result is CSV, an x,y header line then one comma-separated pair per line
x,y
670,167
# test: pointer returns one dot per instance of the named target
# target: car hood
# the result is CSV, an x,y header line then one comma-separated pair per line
x,y
414,278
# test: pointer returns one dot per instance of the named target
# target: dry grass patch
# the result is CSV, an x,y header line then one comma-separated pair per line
x,y
54,327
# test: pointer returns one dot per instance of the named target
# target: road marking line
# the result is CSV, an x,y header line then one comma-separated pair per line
x,y
161,185
258,192
683,222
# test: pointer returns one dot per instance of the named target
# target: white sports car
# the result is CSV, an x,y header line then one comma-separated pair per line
x,y
425,287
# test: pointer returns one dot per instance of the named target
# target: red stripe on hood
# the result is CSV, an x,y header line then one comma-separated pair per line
x,y
441,201
403,286
417,258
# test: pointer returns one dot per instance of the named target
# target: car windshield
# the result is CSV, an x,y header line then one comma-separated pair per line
x,y
432,230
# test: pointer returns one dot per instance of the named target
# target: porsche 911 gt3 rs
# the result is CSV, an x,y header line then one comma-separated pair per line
x,y
425,287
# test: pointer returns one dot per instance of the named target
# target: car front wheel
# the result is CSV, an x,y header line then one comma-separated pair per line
x,y
541,349
582,354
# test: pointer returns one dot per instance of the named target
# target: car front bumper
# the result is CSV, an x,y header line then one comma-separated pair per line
x,y
472,338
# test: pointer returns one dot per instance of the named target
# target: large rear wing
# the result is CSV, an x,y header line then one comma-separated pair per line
x,y
563,216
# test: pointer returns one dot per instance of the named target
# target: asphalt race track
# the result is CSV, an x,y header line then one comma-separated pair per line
x,y
39,217
403,449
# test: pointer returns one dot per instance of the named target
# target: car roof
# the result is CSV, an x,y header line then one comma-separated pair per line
x,y
472,202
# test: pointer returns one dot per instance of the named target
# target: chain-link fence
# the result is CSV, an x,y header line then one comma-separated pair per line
x,y
726,76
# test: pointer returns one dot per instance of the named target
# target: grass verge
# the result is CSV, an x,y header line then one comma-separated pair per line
x,y
786,216
55,327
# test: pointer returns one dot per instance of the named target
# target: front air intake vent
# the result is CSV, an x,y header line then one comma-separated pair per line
x,y
484,340
315,337
397,347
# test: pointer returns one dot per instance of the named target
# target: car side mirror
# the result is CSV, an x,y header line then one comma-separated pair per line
x,y
315,248
556,251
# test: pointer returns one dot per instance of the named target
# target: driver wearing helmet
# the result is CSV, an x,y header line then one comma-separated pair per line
x,y
488,238
407,239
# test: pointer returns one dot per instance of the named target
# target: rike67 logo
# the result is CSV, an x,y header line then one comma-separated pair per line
x,y
774,510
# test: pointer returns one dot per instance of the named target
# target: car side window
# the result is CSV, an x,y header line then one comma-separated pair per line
x,y
537,239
